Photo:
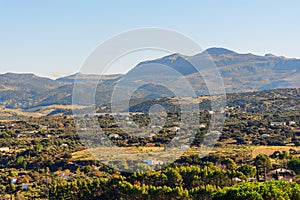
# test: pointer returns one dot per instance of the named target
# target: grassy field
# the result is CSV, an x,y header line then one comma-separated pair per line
x,y
13,113
45,110
236,151
7,113
269,150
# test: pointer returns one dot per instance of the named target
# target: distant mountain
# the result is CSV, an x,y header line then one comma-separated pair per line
x,y
219,51
87,77
28,90
247,72
28,82
24,90
240,73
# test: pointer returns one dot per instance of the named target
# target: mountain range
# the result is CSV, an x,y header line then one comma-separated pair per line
x,y
240,73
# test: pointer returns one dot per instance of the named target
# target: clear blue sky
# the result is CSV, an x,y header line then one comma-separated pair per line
x,y
52,38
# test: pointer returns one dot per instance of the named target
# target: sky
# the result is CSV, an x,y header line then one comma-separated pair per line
x,y
53,38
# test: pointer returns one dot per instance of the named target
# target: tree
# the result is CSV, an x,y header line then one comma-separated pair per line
x,y
294,164
262,162
11,189
229,163
174,177
267,191
20,159
247,170
24,164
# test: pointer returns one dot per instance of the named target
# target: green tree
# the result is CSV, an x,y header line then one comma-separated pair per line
x,y
174,177
294,164
229,163
262,163
247,170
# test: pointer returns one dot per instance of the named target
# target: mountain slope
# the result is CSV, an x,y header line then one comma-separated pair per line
x,y
240,73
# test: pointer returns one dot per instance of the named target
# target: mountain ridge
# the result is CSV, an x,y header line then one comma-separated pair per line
x,y
240,73
210,51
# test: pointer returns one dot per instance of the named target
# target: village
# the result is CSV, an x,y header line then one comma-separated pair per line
x,y
38,152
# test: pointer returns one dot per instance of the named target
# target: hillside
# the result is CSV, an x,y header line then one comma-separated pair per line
x,y
240,73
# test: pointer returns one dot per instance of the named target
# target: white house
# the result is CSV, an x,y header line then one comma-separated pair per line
x,y
236,180
202,126
184,147
4,149
153,162
278,124
291,123
113,135
264,136
156,126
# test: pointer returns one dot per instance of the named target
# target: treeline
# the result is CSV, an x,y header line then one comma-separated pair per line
x,y
207,182
174,182
260,191
118,188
